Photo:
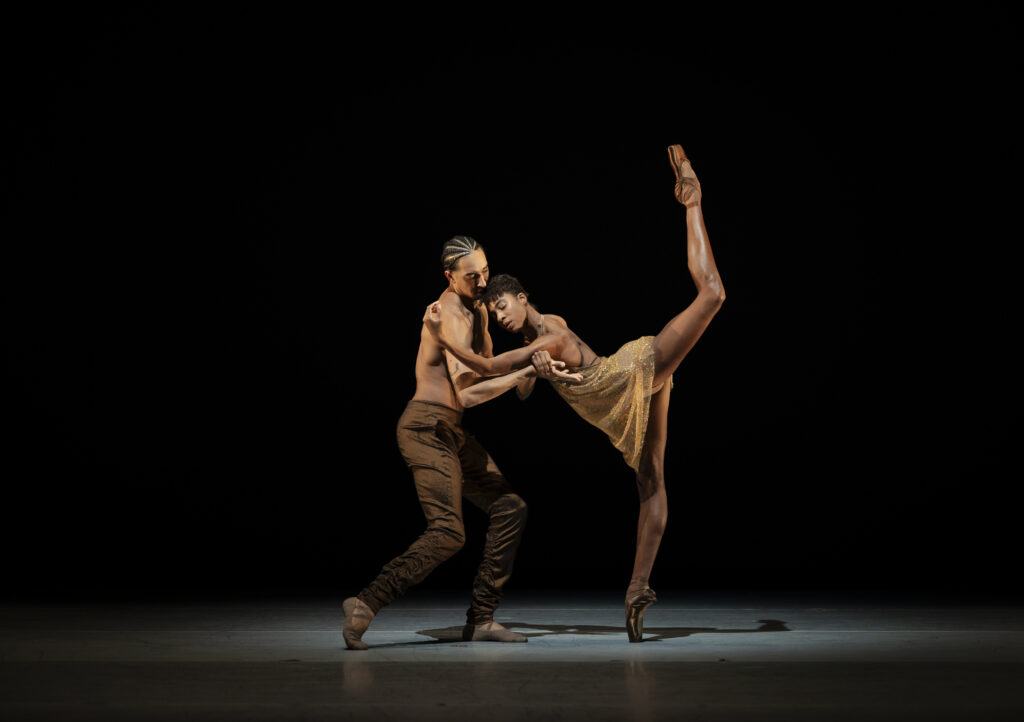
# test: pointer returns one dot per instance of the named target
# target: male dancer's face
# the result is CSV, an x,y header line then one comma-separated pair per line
x,y
469,279
509,311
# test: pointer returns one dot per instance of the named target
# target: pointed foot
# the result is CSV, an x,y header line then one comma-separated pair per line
x,y
357,618
636,605
687,186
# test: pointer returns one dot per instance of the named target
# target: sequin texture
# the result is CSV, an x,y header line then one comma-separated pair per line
x,y
615,395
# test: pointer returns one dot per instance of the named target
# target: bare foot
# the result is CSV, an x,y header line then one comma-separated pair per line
x,y
490,632
687,186
636,604
357,618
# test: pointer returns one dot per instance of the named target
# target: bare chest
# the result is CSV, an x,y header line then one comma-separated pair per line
x,y
474,329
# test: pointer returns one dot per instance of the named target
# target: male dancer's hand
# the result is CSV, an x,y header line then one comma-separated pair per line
x,y
547,368
432,320
544,365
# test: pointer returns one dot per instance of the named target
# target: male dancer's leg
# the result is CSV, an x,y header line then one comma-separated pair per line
x,y
486,487
429,441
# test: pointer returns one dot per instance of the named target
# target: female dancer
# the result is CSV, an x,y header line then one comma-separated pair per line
x,y
626,394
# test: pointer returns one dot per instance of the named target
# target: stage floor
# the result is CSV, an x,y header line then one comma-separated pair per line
x,y
737,656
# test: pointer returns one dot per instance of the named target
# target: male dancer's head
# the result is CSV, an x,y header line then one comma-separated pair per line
x,y
465,267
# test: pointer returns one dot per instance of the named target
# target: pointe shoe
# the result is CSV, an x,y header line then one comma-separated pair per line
x,y
491,632
687,186
357,618
635,608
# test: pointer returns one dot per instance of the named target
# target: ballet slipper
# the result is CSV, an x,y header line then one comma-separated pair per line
x,y
687,186
357,618
636,605
490,632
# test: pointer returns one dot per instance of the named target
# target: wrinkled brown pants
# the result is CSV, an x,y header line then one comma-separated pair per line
x,y
448,464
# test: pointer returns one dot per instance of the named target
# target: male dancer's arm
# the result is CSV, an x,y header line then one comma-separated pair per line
x,y
510,360
469,387
447,333
475,390
525,388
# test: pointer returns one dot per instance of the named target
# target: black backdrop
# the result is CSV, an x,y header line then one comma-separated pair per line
x,y
222,229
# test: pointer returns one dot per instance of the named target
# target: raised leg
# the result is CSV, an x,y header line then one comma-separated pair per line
x,y
650,482
681,333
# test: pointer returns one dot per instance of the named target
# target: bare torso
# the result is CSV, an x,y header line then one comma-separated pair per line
x,y
433,382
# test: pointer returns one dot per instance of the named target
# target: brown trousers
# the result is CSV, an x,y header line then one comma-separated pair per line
x,y
448,464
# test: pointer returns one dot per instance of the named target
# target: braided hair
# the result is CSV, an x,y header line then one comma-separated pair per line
x,y
455,248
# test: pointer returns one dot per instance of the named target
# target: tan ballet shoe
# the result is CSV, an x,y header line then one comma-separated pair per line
x,y
490,632
687,186
357,618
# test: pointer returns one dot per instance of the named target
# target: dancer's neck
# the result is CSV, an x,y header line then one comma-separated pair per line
x,y
534,325
469,303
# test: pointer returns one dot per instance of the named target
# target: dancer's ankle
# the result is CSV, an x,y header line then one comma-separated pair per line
x,y
636,585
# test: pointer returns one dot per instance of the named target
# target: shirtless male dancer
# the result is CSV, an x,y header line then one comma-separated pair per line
x,y
626,395
448,464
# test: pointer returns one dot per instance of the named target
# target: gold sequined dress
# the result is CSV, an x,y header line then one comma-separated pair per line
x,y
615,395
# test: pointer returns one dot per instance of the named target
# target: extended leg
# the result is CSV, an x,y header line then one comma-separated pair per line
x,y
681,333
650,481
431,452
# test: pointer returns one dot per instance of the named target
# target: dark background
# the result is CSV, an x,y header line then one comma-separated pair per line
x,y
221,231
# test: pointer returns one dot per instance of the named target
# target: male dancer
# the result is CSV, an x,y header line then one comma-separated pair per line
x,y
447,463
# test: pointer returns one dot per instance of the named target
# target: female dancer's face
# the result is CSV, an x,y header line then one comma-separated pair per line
x,y
510,311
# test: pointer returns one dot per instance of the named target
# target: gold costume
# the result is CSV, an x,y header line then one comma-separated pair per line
x,y
615,395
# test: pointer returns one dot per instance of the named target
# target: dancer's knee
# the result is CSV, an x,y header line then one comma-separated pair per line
x,y
650,481
511,505
449,540
711,297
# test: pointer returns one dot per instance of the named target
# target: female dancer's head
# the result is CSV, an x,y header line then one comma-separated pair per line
x,y
506,299
465,266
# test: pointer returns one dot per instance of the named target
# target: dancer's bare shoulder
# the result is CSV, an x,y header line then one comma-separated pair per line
x,y
451,303
553,320
557,324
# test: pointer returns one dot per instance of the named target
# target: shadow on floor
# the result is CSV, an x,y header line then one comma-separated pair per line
x,y
449,635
